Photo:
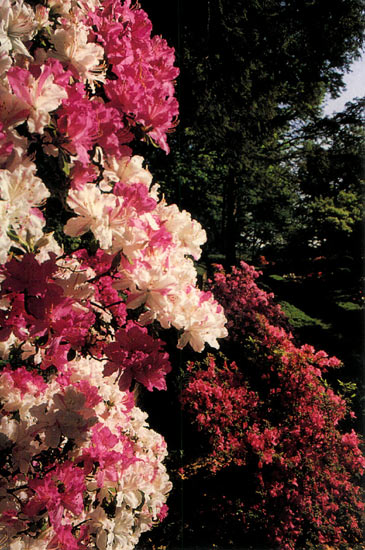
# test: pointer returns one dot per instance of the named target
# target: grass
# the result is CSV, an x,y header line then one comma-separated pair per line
x,y
299,318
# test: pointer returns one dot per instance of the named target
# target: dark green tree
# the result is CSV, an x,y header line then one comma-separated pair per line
x,y
253,76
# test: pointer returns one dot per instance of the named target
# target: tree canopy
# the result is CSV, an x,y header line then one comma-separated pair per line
x,y
253,78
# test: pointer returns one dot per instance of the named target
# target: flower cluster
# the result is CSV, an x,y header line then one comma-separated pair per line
x,y
93,267
269,411
79,463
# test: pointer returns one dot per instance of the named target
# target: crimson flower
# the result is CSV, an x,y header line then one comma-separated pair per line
x,y
136,355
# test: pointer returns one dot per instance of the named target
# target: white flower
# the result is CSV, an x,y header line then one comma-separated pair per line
x,y
201,317
5,59
20,193
28,543
6,345
17,25
60,6
188,233
13,110
8,430
5,241
91,207
123,536
90,5
74,279
13,400
18,154
72,47
41,16
45,245
152,285
25,448
127,170
21,187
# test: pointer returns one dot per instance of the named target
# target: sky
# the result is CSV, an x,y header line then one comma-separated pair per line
x,y
355,87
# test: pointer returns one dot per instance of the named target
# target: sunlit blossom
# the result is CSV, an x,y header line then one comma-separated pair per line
x,y
41,95
72,47
17,25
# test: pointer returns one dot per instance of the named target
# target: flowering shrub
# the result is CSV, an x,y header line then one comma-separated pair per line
x,y
94,266
271,413
250,303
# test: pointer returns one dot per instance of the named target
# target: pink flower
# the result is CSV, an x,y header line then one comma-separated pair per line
x,y
77,124
110,463
136,196
6,145
81,174
39,92
63,539
92,397
82,123
163,512
144,67
60,489
25,381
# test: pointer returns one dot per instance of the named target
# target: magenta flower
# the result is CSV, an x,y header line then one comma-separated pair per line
x,y
60,489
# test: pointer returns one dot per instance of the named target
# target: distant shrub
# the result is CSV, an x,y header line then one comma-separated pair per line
x,y
349,306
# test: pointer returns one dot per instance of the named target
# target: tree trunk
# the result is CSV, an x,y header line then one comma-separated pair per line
x,y
230,229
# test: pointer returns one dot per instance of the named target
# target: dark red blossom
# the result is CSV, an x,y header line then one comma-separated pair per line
x,y
137,356
38,308
244,302
27,275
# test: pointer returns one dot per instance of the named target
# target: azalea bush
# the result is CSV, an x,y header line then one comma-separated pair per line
x,y
272,422
95,266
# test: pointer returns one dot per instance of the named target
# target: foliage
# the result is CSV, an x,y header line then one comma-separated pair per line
x,y
250,107
330,215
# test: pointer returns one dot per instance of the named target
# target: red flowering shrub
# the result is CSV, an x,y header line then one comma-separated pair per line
x,y
271,414
244,302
